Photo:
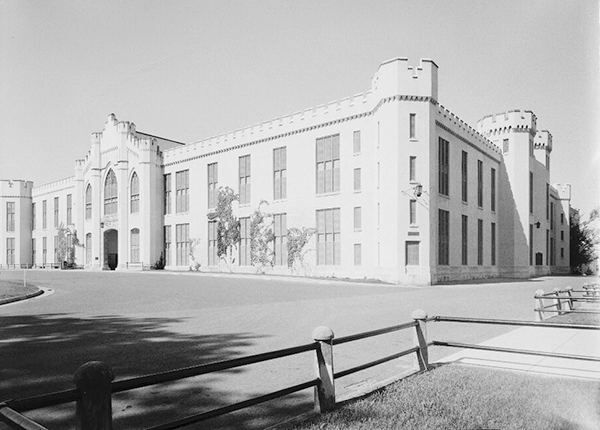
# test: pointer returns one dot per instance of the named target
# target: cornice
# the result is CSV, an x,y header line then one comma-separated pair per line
x,y
468,142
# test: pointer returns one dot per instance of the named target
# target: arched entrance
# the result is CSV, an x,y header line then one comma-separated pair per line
x,y
111,249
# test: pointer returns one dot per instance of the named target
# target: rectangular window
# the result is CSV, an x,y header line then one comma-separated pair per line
x,y
182,186
505,146
378,174
562,218
55,212
245,246
412,253
44,250
244,175
493,189
443,237
10,216
357,254
378,133
552,253
357,142
212,244
443,166
547,247
280,173
413,125
480,242
480,183
357,179
44,214
531,244
182,238
357,218
88,248
328,164
465,176
328,237
213,180
562,235
56,250
33,254
530,192
562,253
412,204
69,209
551,216
135,245
167,188
493,243
10,250
465,240
167,247
412,168
280,233
547,201
33,219
378,215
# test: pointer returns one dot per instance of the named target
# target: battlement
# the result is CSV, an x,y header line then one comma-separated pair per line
x,y
505,122
394,80
563,191
54,186
15,188
457,125
543,140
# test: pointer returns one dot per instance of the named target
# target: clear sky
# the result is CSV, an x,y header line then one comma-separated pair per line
x,y
187,70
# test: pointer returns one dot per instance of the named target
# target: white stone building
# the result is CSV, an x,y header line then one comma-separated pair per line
x,y
397,187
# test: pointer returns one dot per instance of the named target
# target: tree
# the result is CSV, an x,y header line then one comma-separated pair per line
x,y
193,246
228,226
261,236
584,240
67,241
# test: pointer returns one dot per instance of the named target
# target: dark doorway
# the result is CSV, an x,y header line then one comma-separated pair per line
x,y
111,249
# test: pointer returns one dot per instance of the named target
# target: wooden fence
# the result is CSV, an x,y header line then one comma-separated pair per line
x,y
562,301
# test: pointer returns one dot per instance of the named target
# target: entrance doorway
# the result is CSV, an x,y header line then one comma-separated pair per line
x,y
111,249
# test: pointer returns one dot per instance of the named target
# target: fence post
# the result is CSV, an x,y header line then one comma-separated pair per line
x,y
420,338
539,304
557,302
94,408
570,295
325,389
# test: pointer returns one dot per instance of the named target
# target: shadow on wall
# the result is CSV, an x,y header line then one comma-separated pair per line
x,y
40,354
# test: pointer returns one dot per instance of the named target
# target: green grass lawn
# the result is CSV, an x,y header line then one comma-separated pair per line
x,y
12,289
458,396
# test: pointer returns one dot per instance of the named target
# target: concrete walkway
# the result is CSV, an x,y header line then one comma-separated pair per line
x,y
557,340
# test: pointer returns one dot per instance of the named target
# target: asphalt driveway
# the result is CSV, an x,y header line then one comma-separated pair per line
x,y
147,322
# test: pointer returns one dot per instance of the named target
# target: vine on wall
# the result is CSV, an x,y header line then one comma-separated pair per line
x,y
296,242
228,225
261,238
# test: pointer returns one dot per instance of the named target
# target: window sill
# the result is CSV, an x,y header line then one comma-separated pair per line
x,y
335,193
357,191
413,139
279,200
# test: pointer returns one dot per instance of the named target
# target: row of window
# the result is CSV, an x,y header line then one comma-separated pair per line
x,y
444,176
444,240
44,213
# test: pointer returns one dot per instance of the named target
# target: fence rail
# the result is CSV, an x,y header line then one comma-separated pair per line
x,y
95,414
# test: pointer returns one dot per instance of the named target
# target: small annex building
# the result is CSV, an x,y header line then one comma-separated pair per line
x,y
395,186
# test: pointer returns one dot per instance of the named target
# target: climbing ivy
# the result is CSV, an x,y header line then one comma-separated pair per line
x,y
228,226
296,241
261,236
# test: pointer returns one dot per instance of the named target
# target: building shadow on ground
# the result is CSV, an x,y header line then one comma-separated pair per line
x,y
40,354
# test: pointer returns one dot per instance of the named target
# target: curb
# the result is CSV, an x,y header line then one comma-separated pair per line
x,y
39,292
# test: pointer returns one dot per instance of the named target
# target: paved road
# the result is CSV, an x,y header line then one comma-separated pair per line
x,y
141,323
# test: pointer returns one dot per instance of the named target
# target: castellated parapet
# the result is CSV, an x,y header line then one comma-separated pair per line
x,y
543,140
395,80
505,122
464,131
563,190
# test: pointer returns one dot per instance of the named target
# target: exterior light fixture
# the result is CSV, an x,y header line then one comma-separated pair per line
x,y
537,224
418,190
101,225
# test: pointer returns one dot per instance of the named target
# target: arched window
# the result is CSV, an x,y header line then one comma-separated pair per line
x,y
110,193
88,248
88,202
135,193
135,245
